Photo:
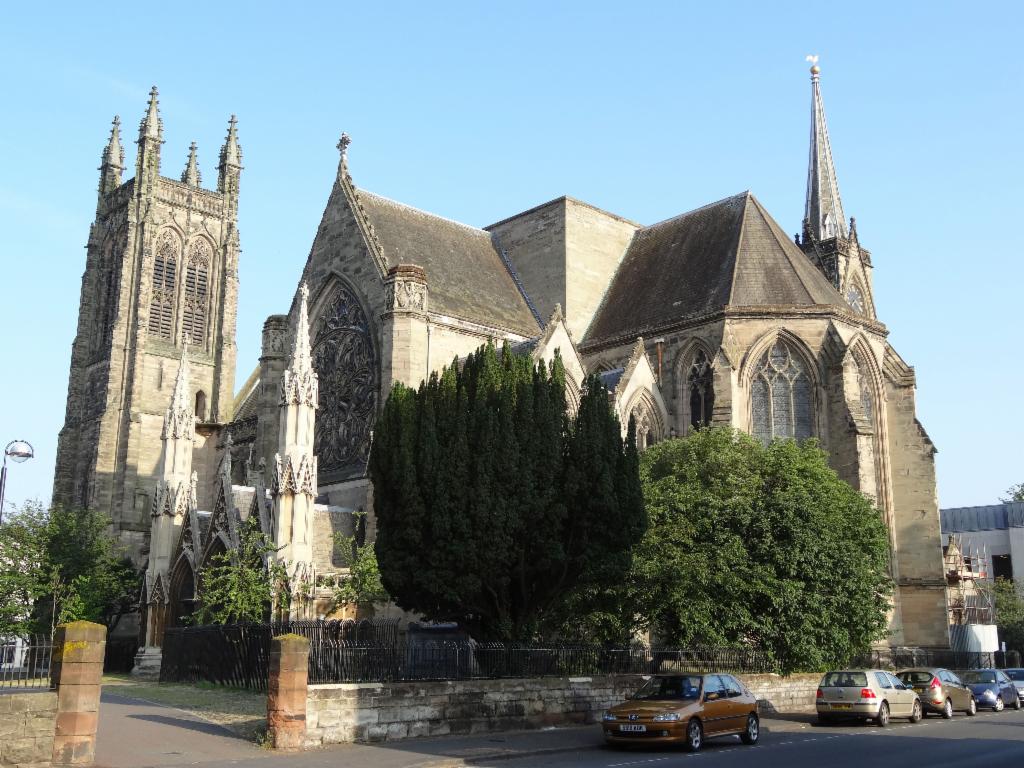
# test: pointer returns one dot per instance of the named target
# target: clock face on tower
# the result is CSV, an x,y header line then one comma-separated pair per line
x,y
855,299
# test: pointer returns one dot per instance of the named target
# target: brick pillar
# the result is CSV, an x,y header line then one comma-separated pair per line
x,y
286,693
76,670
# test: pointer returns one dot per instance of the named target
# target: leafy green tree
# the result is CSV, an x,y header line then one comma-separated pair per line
x,y
363,585
64,565
759,546
1008,599
22,569
493,506
243,584
1014,493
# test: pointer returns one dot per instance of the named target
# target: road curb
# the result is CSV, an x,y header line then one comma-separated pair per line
x,y
456,762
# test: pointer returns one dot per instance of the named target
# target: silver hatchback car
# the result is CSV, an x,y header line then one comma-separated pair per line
x,y
870,694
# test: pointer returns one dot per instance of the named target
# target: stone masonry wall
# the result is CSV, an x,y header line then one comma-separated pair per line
x,y
27,721
374,712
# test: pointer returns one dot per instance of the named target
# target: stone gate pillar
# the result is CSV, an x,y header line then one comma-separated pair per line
x,y
286,692
76,672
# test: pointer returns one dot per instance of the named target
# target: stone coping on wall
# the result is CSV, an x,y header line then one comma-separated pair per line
x,y
375,712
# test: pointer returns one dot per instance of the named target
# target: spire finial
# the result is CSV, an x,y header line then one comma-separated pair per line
x,y
343,143
823,210
299,383
152,125
179,420
191,174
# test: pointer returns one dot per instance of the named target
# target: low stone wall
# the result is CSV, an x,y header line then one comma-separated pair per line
x,y
369,712
27,720
777,694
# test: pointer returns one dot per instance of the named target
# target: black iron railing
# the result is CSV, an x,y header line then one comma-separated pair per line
x,y
347,652
25,662
903,658
119,654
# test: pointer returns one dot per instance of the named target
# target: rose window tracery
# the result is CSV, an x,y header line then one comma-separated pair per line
x,y
345,362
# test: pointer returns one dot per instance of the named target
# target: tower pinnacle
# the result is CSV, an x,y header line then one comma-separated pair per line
x,y
230,165
823,212
152,127
191,174
112,162
179,420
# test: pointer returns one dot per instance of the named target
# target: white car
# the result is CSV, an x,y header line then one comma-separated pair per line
x,y
1017,675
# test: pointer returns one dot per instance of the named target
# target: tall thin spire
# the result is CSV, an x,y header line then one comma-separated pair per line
x,y
179,420
823,212
230,160
152,127
299,382
112,162
191,174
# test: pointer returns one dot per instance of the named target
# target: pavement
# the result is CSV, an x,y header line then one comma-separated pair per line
x,y
138,734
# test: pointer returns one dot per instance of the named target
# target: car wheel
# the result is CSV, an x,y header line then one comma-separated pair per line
x,y
753,732
972,708
882,719
1000,704
947,710
916,714
694,736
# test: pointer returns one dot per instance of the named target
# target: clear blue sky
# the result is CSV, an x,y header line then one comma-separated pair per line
x,y
476,111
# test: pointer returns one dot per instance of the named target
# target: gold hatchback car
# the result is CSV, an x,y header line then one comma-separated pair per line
x,y
684,709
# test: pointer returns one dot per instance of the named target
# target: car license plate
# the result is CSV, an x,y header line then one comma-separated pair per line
x,y
633,728
842,706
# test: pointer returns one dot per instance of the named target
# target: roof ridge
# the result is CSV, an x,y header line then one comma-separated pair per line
x,y
694,210
736,245
783,245
413,208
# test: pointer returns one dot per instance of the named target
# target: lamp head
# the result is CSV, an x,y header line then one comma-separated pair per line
x,y
19,451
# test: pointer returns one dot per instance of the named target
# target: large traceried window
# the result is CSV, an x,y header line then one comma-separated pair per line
x,y
197,278
161,302
781,400
700,390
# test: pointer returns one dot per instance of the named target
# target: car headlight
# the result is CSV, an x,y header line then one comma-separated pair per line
x,y
668,717
608,717
988,694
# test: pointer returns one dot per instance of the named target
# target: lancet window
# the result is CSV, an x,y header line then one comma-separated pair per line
x,y
197,278
700,390
781,397
161,302
867,401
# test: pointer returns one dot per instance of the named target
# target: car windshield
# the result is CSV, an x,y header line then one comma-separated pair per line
x,y
1016,674
915,677
978,677
844,680
674,687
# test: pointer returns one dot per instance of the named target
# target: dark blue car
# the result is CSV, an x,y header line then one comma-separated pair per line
x,y
992,689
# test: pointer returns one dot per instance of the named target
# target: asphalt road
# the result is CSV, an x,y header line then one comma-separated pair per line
x,y
988,739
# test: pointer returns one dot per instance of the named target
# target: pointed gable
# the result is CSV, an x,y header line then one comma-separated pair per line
x,y
466,275
729,253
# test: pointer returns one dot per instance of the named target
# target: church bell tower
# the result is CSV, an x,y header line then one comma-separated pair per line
x,y
161,267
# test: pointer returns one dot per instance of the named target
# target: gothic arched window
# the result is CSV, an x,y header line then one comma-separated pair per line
x,y
161,302
197,278
647,423
200,409
700,390
867,400
781,397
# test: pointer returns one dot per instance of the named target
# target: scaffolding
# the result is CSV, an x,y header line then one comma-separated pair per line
x,y
969,578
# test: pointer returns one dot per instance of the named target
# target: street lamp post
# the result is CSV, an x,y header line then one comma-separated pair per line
x,y
18,451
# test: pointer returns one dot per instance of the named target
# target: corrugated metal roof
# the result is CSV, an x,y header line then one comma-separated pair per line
x,y
992,517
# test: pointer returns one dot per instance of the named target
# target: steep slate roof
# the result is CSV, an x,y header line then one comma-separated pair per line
x,y
729,253
466,277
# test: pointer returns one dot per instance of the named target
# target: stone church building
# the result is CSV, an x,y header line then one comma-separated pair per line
x,y
715,316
